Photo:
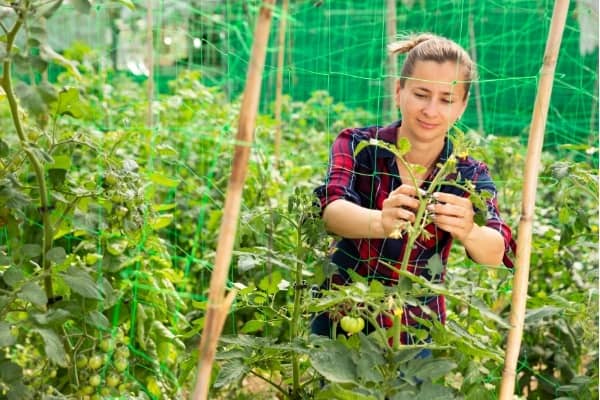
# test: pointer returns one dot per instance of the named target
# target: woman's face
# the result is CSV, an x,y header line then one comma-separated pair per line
x,y
429,101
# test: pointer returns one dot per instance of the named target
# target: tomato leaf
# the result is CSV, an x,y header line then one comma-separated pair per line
x,y
53,346
6,337
33,293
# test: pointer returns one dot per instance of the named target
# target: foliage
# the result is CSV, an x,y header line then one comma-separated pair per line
x,y
108,230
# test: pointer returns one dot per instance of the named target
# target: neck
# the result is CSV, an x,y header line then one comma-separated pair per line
x,y
425,154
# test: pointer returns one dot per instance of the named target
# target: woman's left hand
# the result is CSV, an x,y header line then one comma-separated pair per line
x,y
454,214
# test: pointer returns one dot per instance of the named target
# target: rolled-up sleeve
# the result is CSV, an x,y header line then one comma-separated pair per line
x,y
483,182
341,174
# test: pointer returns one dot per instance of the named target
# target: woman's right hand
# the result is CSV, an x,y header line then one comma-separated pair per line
x,y
398,210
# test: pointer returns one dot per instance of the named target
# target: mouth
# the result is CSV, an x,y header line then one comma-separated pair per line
x,y
427,125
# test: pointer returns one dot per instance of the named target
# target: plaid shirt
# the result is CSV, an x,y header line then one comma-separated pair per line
x,y
367,179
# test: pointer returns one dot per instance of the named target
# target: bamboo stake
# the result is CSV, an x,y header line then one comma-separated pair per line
x,y
392,66
149,63
218,307
279,84
532,165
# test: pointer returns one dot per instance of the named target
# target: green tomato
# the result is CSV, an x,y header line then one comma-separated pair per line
x,y
121,211
111,179
92,258
352,324
112,380
95,361
153,386
82,361
105,345
95,380
87,389
120,364
123,351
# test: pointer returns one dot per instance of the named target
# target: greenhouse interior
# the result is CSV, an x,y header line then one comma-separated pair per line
x,y
299,199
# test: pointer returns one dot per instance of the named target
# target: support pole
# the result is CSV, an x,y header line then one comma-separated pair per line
x,y
279,85
532,165
218,305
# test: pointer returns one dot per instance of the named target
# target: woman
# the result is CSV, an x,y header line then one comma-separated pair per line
x,y
368,194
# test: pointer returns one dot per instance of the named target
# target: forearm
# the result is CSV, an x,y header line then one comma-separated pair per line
x,y
352,221
485,245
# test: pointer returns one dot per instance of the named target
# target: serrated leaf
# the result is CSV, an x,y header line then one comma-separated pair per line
x,y
435,265
31,250
334,362
486,312
56,255
33,293
231,371
10,372
338,392
434,368
69,103
53,346
252,326
98,320
12,276
82,283
60,162
403,145
540,313
116,247
161,221
6,337
55,316
160,179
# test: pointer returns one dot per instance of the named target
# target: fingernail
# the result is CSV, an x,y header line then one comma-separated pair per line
x,y
430,207
436,195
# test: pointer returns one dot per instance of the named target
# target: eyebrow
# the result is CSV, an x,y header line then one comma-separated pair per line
x,y
429,91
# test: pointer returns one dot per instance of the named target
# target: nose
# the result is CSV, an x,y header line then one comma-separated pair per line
x,y
430,108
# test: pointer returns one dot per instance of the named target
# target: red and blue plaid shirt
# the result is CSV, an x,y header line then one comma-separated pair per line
x,y
366,179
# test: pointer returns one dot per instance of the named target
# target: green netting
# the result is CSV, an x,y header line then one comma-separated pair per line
x,y
335,48
340,47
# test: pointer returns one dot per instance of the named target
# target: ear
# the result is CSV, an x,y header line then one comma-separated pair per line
x,y
397,93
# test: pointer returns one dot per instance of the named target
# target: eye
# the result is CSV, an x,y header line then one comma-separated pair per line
x,y
420,95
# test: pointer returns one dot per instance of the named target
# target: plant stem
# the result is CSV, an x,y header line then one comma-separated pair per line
x,y
270,382
413,234
296,312
6,84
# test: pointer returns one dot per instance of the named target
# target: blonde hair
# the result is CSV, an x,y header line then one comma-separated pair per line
x,y
430,47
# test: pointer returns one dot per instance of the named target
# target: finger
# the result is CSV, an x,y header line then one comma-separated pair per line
x,y
405,189
448,223
401,200
451,198
450,210
404,214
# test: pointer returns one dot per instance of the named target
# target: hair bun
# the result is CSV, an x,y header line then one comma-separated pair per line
x,y
408,43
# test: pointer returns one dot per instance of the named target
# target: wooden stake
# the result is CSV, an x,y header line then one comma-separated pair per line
x,y
149,63
218,307
392,66
532,165
279,85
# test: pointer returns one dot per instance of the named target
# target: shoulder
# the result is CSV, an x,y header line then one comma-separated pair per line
x,y
471,168
359,134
